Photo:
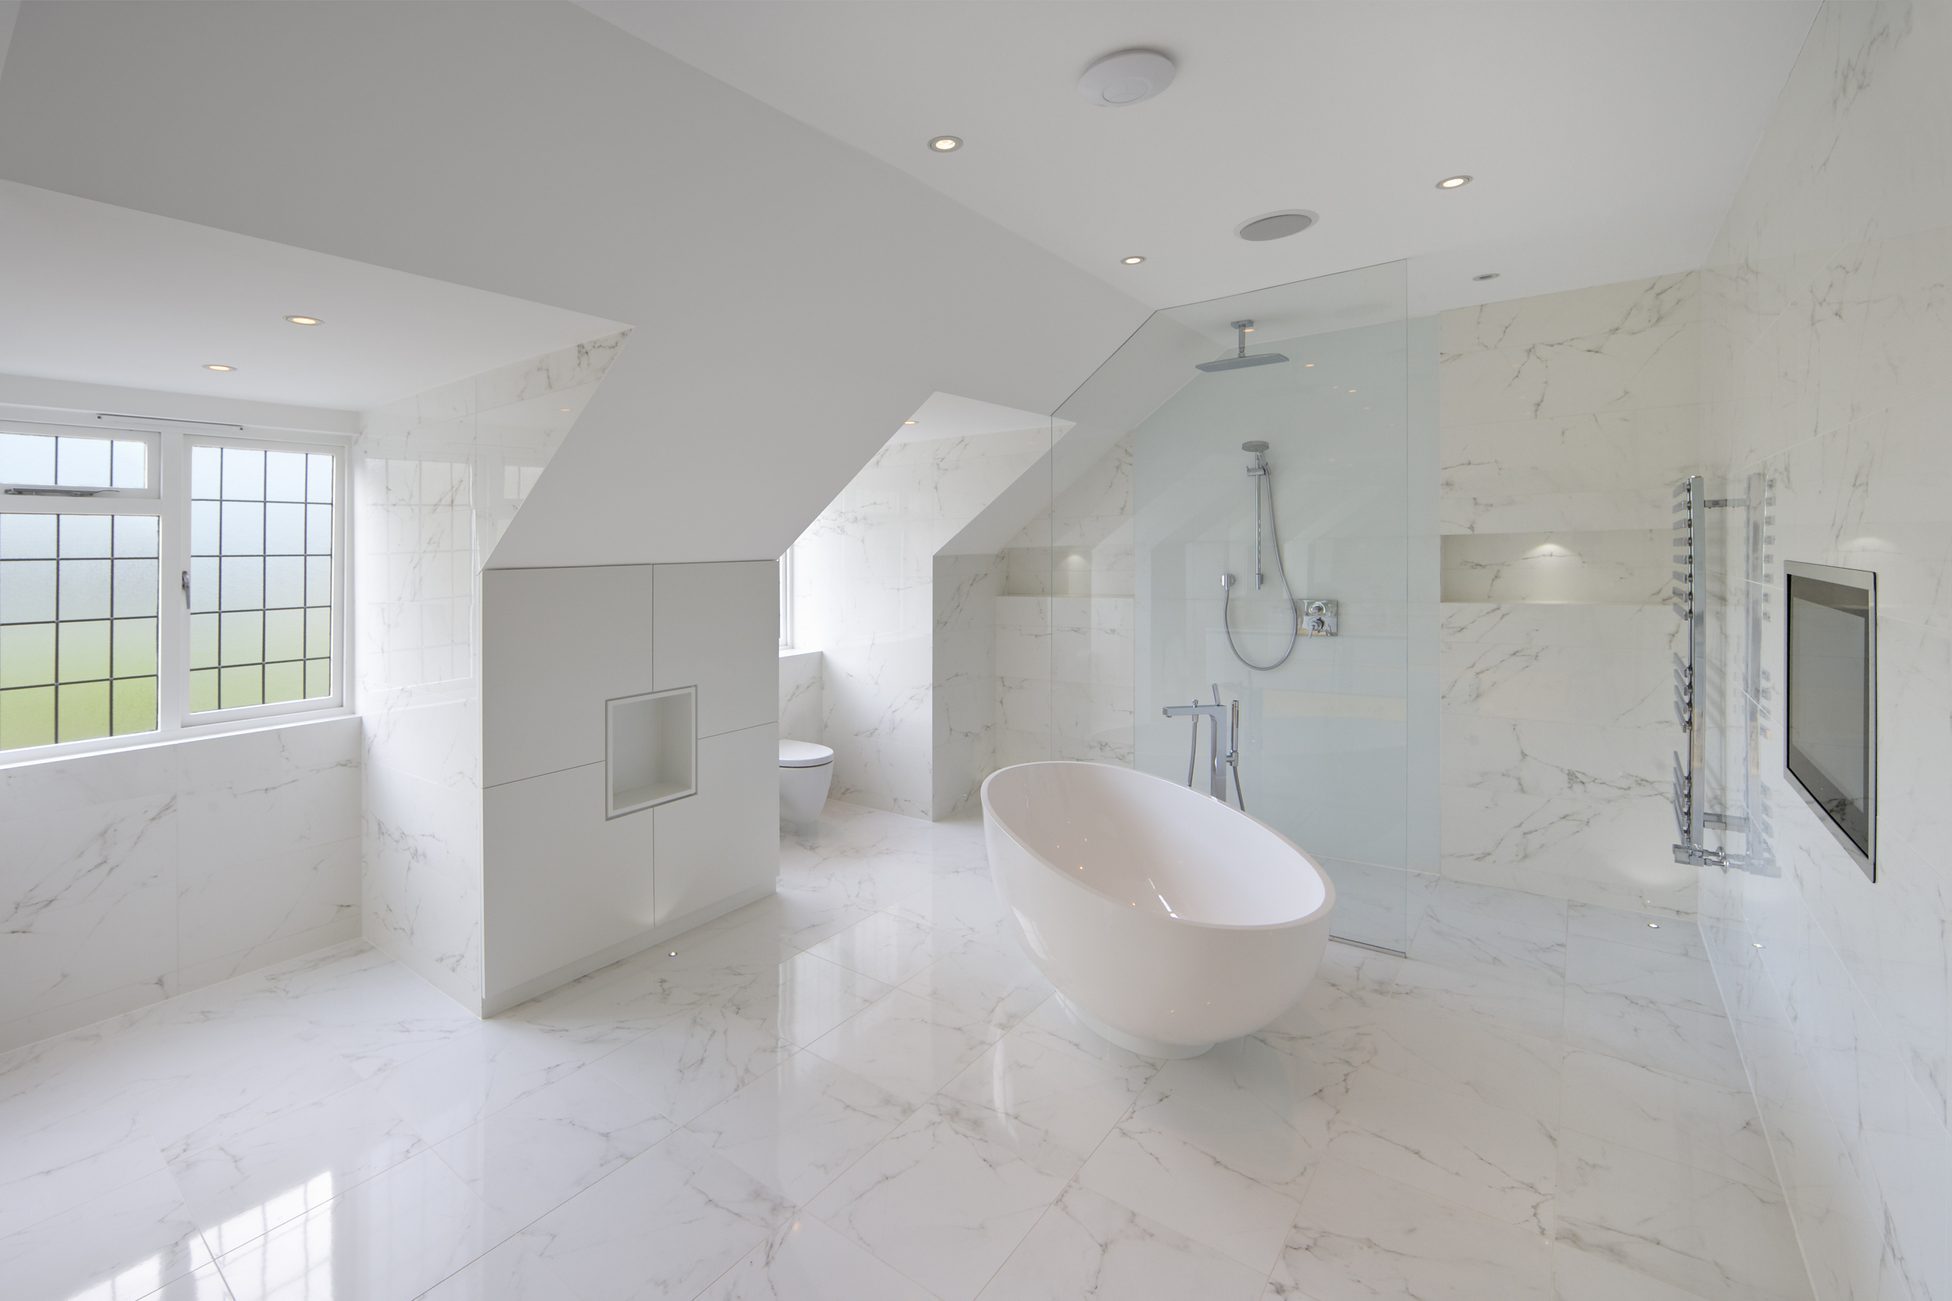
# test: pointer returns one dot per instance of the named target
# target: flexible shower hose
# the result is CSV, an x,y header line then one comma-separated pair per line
x,y
1227,597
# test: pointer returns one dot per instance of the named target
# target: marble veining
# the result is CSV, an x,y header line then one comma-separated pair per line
x,y
858,1089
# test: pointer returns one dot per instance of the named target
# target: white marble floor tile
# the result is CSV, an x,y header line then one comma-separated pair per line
x,y
1036,1077
696,1060
1219,1148
1087,1246
908,1045
1670,979
665,1225
444,1091
347,1138
1529,1006
537,1153
886,947
1677,1040
995,987
1499,1163
948,1196
799,1125
1486,931
1359,1236
1688,1228
805,1260
1713,1126
393,1236
1668,934
67,1163
142,1230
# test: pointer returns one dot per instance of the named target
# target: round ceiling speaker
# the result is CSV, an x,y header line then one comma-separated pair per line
x,y
1277,225
1126,78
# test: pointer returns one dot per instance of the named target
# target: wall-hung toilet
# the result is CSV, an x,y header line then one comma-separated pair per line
x,y
806,770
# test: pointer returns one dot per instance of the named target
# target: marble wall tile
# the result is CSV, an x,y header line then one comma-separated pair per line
x,y
903,632
138,874
1824,340
800,676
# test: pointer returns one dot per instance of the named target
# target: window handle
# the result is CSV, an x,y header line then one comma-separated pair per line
x,y
186,589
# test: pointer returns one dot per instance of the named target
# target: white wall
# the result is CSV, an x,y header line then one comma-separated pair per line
x,y
1565,422
800,691
1827,334
436,479
567,888
534,150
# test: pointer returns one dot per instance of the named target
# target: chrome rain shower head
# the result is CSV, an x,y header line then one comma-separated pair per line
x,y
1256,446
1240,360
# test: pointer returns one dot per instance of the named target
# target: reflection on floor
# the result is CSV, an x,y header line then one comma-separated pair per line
x,y
859,1090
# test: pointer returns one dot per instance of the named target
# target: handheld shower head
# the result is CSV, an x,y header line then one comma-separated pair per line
x,y
1240,359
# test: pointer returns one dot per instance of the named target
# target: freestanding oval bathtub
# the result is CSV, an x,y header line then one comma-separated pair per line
x,y
1167,920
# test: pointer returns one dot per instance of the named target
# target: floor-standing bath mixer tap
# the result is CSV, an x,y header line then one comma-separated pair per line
x,y
1224,757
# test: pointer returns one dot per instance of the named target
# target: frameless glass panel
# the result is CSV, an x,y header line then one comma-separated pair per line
x,y
1195,514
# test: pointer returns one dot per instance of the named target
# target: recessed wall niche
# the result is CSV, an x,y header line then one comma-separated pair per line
x,y
650,749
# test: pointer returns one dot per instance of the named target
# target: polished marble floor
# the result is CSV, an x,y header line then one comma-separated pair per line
x,y
857,1090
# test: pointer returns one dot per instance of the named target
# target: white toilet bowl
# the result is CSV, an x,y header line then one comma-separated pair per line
x,y
806,770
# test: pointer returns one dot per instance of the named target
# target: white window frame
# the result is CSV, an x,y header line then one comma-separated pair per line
x,y
167,496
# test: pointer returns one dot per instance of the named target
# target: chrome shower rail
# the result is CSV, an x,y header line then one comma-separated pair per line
x,y
1690,819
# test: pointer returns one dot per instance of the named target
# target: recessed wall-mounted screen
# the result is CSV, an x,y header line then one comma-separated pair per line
x,y
1832,695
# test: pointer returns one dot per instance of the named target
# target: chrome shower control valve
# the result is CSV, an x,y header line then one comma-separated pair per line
x,y
1317,618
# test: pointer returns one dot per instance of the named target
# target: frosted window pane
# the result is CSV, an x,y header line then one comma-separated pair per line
x,y
284,635
284,529
206,473
26,717
85,535
27,537
318,530
134,705
26,591
81,463
318,631
243,474
27,458
243,528
203,583
81,711
135,588
203,641
84,591
83,651
241,638
284,476
135,535
26,654
135,647
131,467
318,580
204,519
203,690
243,583
318,477
318,678
284,682
284,581
241,686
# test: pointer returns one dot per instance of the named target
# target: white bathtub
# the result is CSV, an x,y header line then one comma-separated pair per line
x,y
1167,921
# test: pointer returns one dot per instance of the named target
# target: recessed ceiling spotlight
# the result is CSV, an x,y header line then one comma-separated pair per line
x,y
911,422
304,320
1486,275
1276,225
1453,182
1132,261
1653,926
946,144
1126,77
1308,365
218,366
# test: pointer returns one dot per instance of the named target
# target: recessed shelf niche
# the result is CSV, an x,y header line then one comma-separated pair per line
x,y
650,749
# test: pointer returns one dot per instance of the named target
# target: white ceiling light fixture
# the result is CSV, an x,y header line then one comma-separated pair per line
x,y
945,144
219,367
304,320
1132,261
1127,77
1276,225
1453,182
